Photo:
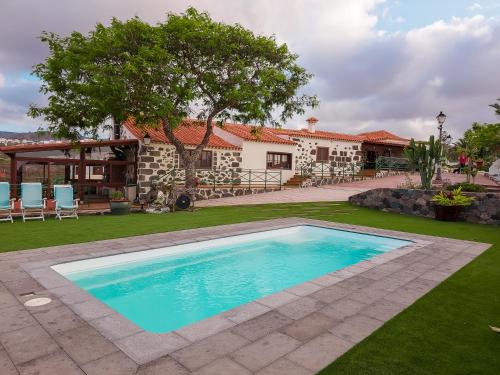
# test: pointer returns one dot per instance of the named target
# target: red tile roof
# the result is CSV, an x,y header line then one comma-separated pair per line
x,y
319,134
255,133
190,133
380,135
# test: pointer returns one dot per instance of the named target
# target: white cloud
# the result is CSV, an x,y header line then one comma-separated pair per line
x,y
474,7
2,80
365,78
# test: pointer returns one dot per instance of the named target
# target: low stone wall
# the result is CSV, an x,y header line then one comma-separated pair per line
x,y
485,208
206,193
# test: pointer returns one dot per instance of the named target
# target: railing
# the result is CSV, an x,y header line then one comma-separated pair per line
x,y
236,177
330,169
391,164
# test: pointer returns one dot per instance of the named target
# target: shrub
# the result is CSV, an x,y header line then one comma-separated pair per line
x,y
453,198
467,186
116,195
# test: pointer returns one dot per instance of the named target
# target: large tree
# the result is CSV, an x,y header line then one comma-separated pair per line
x,y
187,66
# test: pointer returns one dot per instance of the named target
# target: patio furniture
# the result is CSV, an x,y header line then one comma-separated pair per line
x,y
66,206
6,203
31,201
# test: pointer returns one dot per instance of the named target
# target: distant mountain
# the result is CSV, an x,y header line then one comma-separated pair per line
x,y
29,136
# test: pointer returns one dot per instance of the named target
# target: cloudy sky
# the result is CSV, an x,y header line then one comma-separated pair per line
x,y
378,64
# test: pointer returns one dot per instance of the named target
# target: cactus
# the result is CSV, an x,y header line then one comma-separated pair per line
x,y
423,157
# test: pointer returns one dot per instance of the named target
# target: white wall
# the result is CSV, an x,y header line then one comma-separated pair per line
x,y
254,155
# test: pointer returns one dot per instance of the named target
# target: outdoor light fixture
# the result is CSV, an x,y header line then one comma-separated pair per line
x,y
147,139
441,118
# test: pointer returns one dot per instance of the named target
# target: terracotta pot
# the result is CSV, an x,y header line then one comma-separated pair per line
x,y
121,207
447,213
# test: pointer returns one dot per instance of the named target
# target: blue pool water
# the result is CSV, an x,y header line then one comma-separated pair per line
x,y
165,289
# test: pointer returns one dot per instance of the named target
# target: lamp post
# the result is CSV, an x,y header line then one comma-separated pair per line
x,y
441,118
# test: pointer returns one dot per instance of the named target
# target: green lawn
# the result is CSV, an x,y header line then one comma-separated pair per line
x,y
445,332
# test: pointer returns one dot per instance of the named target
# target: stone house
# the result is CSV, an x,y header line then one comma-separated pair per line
x,y
381,143
235,150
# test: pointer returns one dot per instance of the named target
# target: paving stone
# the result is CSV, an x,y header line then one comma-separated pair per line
x,y
265,351
144,347
205,328
90,310
112,364
284,367
304,289
7,299
368,295
419,267
383,310
6,364
432,260
203,352
405,275
262,325
435,276
58,319
222,366
277,299
23,286
310,326
55,363
355,283
343,308
115,326
404,295
71,294
85,344
14,318
388,284
27,343
301,307
162,366
422,285
246,312
319,352
356,328
331,293
460,260
326,280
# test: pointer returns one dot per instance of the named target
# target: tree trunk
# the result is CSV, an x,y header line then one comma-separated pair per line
x,y
189,157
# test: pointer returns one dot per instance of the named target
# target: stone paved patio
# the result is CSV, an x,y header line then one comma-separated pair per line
x,y
329,193
296,331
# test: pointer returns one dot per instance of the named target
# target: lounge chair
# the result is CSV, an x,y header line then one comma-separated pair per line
x,y
31,200
66,206
6,203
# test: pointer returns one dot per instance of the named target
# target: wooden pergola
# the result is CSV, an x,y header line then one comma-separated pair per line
x,y
82,162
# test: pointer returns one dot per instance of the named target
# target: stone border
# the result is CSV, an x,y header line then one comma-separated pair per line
x,y
350,303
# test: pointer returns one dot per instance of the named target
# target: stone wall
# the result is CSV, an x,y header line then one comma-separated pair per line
x,y
205,193
340,152
485,208
157,161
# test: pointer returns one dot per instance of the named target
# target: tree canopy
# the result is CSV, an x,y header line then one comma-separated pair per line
x,y
187,66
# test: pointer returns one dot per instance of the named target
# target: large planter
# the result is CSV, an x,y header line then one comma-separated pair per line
x,y
121,207
447,213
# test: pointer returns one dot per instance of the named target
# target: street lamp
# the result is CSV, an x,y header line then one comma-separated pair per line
x,y
147,139
441,118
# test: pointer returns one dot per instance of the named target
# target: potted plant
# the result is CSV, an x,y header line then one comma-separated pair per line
x,y
119,204
447,205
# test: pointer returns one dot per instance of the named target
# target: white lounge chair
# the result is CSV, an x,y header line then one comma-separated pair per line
x,y
66,206
6,203
31,201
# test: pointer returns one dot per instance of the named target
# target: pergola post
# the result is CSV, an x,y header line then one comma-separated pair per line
x,y
13,174
81,174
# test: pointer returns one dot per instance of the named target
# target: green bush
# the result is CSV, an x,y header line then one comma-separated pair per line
x,y
467,186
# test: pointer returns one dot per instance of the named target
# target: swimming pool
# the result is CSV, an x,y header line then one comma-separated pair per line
x,y
164,289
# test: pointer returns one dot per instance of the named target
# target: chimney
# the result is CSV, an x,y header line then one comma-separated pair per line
x,y
311,124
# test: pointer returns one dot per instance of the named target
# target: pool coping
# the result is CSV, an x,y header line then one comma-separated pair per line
x,y
380,287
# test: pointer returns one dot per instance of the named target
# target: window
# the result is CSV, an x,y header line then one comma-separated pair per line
x,y
203,162
277,160
322,154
